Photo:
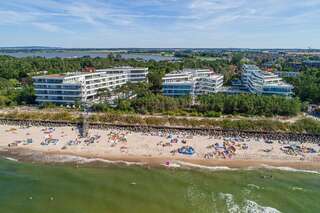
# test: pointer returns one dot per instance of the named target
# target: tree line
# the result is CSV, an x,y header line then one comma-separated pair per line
x,y
307,85
249,104
210,105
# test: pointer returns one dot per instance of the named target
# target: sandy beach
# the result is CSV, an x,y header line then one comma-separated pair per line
x,y
156,148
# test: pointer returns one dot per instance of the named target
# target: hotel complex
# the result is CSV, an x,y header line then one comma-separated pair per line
x,y
84,86
191,82
265,83
203,81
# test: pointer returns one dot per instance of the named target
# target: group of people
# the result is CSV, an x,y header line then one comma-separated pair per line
x,y
297,150
226,150
190,131
184,132
220,134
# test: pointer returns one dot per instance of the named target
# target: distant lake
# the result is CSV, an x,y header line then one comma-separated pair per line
x,y
145,57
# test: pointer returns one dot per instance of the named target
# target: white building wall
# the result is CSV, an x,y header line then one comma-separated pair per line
x,y
191,82
84,87
260,82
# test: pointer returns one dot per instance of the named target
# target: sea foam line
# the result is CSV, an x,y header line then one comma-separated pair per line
x,y
212,168
248,206
289,169
83,160
11,159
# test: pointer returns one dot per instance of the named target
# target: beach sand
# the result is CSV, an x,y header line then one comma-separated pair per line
x,y
150,149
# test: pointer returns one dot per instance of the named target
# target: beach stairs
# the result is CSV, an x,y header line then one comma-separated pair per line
x,y
84,126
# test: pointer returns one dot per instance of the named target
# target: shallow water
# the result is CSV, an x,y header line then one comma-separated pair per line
x,y
33,188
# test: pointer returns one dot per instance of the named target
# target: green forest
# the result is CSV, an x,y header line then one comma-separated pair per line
x,y
307,86
208,106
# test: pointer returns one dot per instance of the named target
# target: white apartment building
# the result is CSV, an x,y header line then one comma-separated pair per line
x,y
261,82
83,87
135,75
191,82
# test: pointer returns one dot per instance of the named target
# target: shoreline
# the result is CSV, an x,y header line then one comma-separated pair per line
x,y
51,158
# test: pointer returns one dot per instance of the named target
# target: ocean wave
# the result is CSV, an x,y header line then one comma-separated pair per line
x,y
295,188
289,169
253,207
250,185
83,160
198,166
172,165
11,159
232,206
248,206
128,163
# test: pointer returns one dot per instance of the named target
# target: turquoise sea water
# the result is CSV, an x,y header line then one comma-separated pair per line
x,y
37,188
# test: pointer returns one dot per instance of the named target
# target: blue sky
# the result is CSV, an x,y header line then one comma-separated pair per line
x,y
161,23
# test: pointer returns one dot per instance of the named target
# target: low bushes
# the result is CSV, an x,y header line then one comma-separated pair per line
x,y
301,126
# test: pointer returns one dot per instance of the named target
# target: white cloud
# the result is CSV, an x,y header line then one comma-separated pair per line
x,y
47,27
215,5
14,17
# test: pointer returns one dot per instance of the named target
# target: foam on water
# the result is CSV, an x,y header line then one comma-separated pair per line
x,y
248,206
232,206
128,163
200,200
172,165
178,164
253,186
289,169
211,168
252,207
297,188
11,159
83,160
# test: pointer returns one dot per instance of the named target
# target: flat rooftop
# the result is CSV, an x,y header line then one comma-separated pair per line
x,y
51,76
63,75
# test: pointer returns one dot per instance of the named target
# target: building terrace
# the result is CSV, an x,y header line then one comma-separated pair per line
x,y
84,87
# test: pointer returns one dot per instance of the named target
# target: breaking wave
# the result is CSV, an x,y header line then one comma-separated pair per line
x,y
289,169
11,159
248,206
212,168
83,160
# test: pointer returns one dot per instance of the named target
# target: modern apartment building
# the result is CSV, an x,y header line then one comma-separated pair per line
x,y
134,75
266,83
285,74
191,82
84,86
312,63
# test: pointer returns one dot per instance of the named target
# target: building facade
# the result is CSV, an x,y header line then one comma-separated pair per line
x,y
84,87
284,74
265,83
312,63
191,82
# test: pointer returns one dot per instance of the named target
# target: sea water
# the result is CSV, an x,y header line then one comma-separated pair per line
x,y
40,188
